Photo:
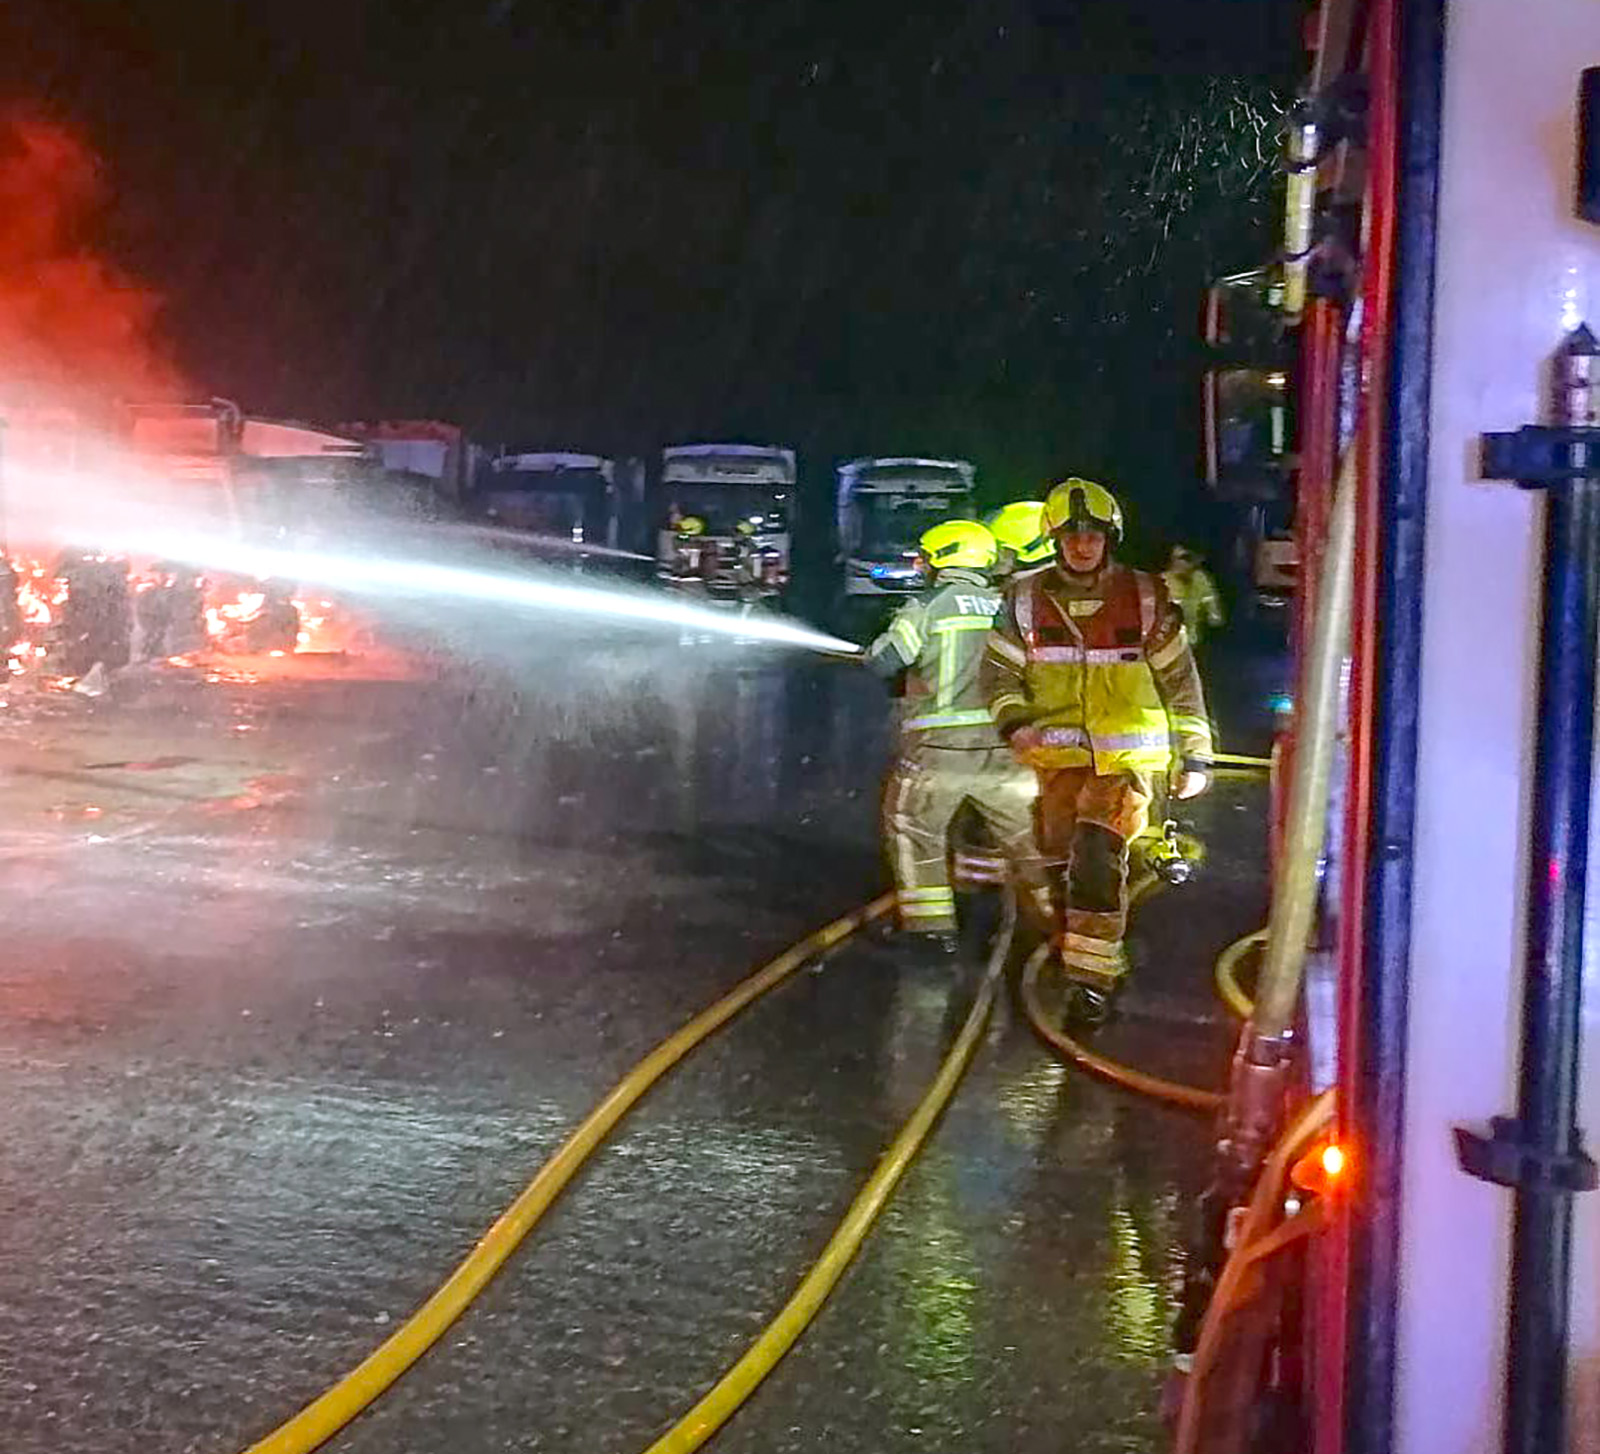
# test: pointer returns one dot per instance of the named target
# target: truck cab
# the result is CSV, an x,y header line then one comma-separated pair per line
x,y
724,519
884,505
1249,462
564,496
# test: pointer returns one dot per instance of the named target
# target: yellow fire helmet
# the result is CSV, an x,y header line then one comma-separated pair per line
x,y
959,543
1021,529
1084,505
690,525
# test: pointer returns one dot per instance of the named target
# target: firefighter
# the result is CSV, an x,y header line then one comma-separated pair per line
x,y
1194,592
951,756
750,565
1024,542
1092,683
686,568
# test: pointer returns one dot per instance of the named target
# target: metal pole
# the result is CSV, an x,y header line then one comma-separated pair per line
x,y
1558,870
1540,1153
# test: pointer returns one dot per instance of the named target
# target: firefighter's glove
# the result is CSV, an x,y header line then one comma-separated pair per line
x,y
1189,782
1024,741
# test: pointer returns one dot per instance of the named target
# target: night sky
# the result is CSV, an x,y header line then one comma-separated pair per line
x,y
952,226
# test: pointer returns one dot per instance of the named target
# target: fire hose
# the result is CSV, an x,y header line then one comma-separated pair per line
x,y
1173,1093
1226,973
780,1335
1255,1240
325,1415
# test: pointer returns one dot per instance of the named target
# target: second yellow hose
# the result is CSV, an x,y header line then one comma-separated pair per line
x,y
780,1335
331,1411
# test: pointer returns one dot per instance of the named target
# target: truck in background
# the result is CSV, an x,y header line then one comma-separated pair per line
x,y
245,477
1248,424
883,507
557,494
724,518
275,481
427,456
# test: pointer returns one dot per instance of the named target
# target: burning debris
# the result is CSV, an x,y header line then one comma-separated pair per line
x,y
64,620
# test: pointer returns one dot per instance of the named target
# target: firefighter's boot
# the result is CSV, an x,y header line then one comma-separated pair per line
x,y
1094,979
1090,1006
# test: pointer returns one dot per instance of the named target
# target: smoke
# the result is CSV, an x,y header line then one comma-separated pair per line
x,y
75,330
77,335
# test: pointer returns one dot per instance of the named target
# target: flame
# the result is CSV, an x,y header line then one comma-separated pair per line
x,y
321,629
39,594
240,611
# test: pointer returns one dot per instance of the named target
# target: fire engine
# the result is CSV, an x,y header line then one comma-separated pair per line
x,y
1400,1245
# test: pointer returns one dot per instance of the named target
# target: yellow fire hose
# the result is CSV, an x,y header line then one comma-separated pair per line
x,y
1255,1239
1174,1093
780,1335
1232,759
1226,973
332,1410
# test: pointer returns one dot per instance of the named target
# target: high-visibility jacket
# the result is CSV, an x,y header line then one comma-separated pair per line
x,y
1102,667
1195,594
937,641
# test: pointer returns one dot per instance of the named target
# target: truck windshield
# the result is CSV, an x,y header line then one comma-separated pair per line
x,y
723,506
892,526
567,503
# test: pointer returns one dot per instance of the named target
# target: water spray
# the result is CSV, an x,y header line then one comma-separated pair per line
x,y
144,517
387,577
536,544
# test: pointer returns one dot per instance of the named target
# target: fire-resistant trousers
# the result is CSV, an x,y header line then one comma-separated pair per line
x,y
1087,820
928,787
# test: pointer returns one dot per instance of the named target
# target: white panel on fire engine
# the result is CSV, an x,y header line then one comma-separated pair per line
x,y
427,457
712,464
552,462
279,439
1506,295
908,477
178,433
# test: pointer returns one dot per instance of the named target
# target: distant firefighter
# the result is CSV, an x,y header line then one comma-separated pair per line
x,y
1193,592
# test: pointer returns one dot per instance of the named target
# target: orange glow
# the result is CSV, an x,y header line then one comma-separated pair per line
x,y
39,594
1324,1170
322,629
73,329
240,611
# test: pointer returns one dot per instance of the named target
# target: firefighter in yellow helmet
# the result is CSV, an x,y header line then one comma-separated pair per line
x,y
1091,680
1024,538
951,756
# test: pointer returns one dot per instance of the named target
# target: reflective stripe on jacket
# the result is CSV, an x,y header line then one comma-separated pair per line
x,y
937,641
1102,668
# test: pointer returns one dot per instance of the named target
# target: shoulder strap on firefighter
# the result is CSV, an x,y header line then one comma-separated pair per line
x,y
1026,610
1147,603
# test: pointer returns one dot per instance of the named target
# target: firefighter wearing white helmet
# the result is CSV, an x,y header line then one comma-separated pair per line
x,y
1024,538
951,756
1091,680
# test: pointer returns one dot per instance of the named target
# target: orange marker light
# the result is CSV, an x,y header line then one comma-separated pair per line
x,y
1323,1170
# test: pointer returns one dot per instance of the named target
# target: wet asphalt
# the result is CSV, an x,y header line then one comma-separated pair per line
x,y
304,975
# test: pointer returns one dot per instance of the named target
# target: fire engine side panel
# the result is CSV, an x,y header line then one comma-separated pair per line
x,y
1516,271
